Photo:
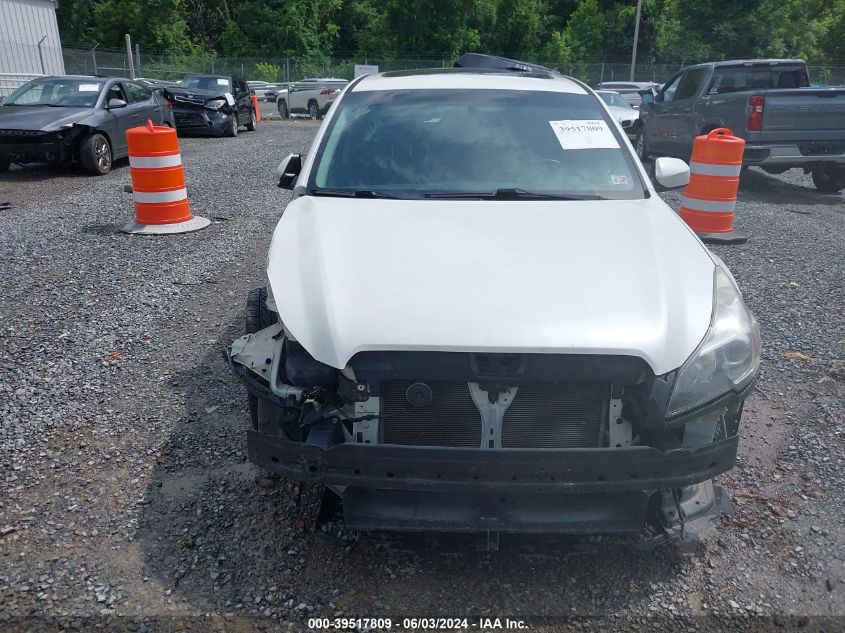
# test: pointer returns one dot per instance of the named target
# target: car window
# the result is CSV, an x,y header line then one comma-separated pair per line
x,y
116,92
668,92
614,99
65,92
726,80
137,93
690,83
214,84
416,142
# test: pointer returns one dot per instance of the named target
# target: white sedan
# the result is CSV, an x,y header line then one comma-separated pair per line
x,y
621,110
482,318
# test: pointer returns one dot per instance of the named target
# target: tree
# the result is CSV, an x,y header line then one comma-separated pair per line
x,y
518,26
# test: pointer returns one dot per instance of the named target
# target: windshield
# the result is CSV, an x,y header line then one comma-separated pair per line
x,y
207,83
418,143
61,92
614,99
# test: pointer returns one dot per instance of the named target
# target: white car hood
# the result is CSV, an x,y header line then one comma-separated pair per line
x,y
592,277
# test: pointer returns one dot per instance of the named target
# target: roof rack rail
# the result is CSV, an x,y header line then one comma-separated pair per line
x,y
492,62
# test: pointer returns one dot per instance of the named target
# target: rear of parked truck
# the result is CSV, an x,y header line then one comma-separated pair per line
x,y
785,122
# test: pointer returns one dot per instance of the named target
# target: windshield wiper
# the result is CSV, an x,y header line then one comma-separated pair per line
x,y
351,193
510,194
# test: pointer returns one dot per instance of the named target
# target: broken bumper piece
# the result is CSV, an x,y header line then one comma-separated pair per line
x,y
547,491
576,470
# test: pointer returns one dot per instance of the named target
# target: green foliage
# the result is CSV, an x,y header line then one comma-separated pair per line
x,y
571,34
267,72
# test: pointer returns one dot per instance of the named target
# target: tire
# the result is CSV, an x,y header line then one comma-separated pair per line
x,y
313,111
829,178
4,164
232,126
258,317
252,121
641,146
95,155
282,107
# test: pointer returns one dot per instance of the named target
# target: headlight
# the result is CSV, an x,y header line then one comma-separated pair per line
x,y
728,357
215,104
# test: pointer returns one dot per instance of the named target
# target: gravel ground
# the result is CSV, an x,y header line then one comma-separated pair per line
x,y
126,500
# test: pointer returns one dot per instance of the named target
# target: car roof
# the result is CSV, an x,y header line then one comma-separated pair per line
x,y
752,62
468,79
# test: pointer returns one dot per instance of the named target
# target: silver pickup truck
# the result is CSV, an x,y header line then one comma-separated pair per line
x,y
769,103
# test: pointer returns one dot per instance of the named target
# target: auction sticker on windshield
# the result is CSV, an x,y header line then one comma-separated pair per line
x,y
89,87
584,134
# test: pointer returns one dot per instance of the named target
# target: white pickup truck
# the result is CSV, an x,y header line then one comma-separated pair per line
x,y
311,96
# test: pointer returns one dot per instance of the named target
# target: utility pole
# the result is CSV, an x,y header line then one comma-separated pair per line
x,y
636,37
94,56
138,59
41,54
129,56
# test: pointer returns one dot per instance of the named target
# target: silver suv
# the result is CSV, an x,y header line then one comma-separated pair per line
x,y
311,96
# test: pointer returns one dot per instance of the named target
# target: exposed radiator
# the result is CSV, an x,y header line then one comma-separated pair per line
x,y
542,415
450,419
555,415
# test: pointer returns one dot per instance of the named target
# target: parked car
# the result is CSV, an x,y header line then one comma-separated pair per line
x,y
214,105
630,90
272,91
76,119
482,318
621,110
259,88
311,96
768,102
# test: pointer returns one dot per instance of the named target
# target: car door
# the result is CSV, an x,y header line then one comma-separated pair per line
x,y
118,119
242,99
655,117
143,103
688,119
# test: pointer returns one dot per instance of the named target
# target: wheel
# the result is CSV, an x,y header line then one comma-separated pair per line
x,y
313,111
232,126
641,146
252,121
4,164
95,154
282,107
258,317
829,178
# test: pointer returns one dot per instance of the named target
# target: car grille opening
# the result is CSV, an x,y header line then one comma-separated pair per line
x,y
450,419
555,415
542,415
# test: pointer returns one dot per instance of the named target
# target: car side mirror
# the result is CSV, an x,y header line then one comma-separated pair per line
x,y
671,173
116,103
288,170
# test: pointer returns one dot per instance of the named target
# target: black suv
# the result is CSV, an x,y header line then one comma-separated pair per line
x,y
215,105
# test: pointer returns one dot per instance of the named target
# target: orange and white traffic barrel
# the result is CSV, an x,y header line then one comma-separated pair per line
x,y
255,107
708,205
158,183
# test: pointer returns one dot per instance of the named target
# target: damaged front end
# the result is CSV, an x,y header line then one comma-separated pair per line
x,y
489,443
40,146
201,111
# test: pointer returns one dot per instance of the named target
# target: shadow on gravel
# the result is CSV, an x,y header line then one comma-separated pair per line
x,y
759,186
35,172
224,537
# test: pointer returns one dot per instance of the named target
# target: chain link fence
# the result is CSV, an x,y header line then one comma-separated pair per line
x,y
278,68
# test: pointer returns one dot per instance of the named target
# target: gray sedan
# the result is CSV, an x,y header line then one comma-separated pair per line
x,y
76,119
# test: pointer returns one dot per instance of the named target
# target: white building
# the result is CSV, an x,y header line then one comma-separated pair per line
x,y
29,42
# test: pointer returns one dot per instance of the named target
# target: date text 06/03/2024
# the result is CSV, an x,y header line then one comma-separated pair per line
x,y
420,623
